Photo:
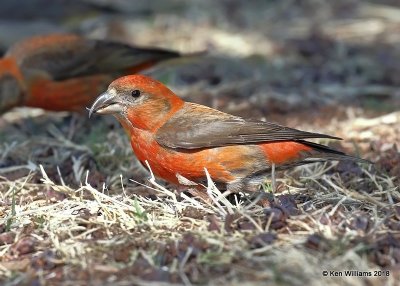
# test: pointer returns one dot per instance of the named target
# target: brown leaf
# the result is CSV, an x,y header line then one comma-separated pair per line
x,y
262,239
25,245
277,217
317,242
214,224
7,238
360,222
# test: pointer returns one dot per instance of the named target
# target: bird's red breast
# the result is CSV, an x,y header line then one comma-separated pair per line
x,y
68,95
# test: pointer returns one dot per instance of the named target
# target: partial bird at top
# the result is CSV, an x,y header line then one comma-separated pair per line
x,y
65,72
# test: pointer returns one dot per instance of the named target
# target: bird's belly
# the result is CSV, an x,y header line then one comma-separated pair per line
x,y
66,95
224,164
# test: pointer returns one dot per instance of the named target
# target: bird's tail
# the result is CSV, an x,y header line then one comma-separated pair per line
x,y
323,153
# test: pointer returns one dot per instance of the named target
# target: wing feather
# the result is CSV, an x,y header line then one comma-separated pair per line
x,y
213,128
67,56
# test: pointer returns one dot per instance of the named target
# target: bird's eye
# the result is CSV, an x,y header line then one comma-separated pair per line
x,y
135,93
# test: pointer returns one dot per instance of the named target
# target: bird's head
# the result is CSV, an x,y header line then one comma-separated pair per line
x,y
11,87
141,100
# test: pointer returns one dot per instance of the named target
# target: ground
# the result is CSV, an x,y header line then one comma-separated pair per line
x,y
77,209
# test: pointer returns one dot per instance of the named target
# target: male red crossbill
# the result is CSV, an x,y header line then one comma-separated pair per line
x,y
67,72
180,139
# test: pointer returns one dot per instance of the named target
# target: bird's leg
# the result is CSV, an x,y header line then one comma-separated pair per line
x,y
273,179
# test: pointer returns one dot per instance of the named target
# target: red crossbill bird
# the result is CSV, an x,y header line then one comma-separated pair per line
x,y
180,139
66,72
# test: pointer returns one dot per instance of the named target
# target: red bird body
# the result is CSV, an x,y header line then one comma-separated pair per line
x,y
179,138
67,72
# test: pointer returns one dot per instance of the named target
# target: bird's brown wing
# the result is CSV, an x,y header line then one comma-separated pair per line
x,y
67,56
196,126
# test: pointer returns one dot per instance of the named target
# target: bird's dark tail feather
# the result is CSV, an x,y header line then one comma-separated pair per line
x,y
327,153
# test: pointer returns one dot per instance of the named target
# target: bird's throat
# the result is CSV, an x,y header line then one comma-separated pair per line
x,y
151,116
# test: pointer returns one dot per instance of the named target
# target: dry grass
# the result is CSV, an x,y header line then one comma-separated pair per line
x,y
60,226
